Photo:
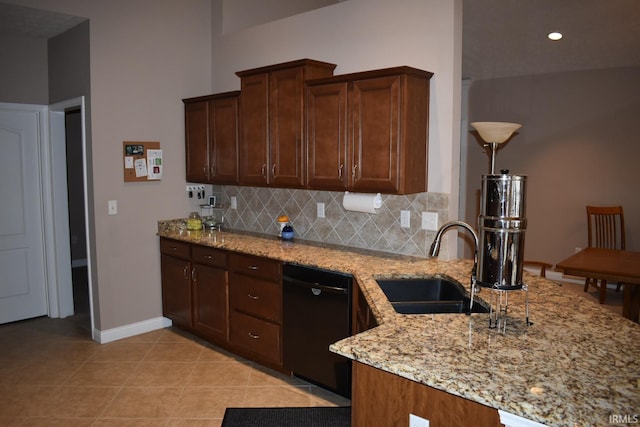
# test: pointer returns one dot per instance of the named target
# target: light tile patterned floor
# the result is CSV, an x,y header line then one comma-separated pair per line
x,y
52,374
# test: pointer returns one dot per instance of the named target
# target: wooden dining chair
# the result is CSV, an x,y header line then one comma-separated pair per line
x,y
605,226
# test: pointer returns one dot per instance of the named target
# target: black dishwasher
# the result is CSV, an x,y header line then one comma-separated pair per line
x,y
316,313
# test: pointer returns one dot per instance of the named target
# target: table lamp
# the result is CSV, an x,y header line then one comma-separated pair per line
x,y
494,134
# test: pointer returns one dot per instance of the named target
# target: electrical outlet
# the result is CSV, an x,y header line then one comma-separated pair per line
x,y
320,207
577,250
430,221
405,219
234,202
416,421
113,207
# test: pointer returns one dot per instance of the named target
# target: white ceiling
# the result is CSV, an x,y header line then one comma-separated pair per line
x,y
501,38
26,21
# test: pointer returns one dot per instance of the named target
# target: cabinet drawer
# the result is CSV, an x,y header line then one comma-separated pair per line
x,y
255,335
257,297
209,256
256,266
175,248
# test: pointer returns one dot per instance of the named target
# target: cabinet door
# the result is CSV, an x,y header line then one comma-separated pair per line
x,y
176,290
223,140
375,129
286,166
326,136
196,141
254,131
210,302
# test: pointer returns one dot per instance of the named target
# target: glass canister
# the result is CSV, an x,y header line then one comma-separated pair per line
x,y
194,222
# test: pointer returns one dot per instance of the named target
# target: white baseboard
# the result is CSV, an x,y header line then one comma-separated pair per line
x,y
131,330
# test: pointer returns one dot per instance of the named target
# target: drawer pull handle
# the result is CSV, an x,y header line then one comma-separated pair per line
x,y
207,256
253,296
253,267
173,248
254,336
185,272
194,275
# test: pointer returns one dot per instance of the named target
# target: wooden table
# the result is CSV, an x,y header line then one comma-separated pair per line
x,y
611,265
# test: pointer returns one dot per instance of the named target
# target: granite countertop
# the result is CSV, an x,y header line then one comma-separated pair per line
x,y
576,365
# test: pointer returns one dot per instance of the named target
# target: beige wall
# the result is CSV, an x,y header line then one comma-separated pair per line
x,y
146,55
578,145
23,74
360,35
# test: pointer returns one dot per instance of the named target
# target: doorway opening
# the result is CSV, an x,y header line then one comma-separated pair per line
x,y
70,206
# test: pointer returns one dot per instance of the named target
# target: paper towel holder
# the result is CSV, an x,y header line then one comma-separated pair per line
x,y
362,202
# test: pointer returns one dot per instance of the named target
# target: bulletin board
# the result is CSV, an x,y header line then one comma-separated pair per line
x,y
142,161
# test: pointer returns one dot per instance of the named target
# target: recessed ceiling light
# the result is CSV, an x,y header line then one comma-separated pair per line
x,y
554,36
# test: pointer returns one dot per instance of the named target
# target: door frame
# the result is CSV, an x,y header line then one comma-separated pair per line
x,y
56,211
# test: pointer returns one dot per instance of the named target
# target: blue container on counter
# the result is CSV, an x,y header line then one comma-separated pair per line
x,y
287,232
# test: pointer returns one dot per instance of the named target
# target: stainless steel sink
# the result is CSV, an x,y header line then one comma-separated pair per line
x,y
428,295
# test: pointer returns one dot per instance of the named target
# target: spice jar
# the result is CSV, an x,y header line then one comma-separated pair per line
x,y
194,222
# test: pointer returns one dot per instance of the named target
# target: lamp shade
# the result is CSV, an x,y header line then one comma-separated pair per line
x,y
495,132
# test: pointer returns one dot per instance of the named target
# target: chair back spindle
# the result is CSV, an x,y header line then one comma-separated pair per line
x,y
606,227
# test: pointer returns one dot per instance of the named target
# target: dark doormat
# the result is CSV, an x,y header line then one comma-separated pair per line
x,y
288,417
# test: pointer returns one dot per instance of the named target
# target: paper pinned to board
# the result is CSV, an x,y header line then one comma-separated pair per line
x,y
361,202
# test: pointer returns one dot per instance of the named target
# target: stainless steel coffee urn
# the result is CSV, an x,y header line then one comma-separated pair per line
x,y
501,231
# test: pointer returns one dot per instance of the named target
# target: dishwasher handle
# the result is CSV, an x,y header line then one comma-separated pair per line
x,y
330,289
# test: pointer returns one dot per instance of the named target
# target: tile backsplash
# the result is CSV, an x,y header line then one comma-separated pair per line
x,y
258,209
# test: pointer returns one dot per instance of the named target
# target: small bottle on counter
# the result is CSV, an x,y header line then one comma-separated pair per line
x,y
194,222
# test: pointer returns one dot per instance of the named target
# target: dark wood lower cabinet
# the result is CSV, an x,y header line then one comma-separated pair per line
x,y
230,299
379,398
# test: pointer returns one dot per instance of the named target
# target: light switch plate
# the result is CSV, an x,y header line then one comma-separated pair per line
x,y
320,210
430,221
113,207
234,202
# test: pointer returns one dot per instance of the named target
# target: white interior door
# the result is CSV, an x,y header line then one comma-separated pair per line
x,y
23,291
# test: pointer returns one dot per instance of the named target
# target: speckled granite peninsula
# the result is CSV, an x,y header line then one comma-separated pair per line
x,y
575,366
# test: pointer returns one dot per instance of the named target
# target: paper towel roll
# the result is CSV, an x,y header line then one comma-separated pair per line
x,y
361,202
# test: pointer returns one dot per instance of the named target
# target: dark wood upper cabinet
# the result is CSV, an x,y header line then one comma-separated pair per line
x,y
368,131
295,125
272,150
211,136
